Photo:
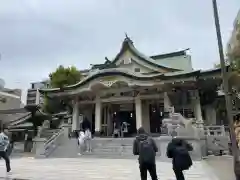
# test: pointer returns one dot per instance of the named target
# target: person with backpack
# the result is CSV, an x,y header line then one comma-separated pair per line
x,y
146,148
178,150
4,142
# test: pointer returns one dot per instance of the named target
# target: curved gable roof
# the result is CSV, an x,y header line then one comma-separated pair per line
x,y
128,45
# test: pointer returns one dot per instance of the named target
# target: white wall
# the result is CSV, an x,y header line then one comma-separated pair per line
x,y
8,101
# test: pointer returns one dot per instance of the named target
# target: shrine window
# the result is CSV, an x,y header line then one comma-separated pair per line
x,y
137,70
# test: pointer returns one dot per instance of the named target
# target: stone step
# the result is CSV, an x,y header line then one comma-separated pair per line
x,y
114,148
111,147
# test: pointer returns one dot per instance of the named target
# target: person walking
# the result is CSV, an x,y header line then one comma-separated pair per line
x,y
145,147
86,126
4,143
178,150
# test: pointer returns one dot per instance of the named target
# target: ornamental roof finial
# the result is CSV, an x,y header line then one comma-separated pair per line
x,y
127,38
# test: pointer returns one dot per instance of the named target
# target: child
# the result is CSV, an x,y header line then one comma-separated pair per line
x,y
178,150
81,142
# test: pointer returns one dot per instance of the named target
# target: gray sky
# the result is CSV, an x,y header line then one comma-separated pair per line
x,y
38,35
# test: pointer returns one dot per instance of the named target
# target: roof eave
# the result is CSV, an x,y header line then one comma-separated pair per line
x,y
111,73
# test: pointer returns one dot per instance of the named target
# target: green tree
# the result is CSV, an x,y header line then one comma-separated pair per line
x,y
60,78
234,58
64,76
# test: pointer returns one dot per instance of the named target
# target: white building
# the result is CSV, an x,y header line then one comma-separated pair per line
x,y
11,106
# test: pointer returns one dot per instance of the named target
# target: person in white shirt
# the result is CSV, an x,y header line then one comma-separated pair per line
x,y
4,142
81,142
86,126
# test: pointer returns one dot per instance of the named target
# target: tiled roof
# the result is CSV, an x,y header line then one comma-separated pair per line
x,y
128,44
168,55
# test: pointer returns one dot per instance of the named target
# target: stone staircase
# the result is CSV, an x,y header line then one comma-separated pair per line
x,y
101,147
119,147
115,148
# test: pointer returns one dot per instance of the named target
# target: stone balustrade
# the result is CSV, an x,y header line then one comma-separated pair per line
x,y
214,130
44,147
53,142
217,139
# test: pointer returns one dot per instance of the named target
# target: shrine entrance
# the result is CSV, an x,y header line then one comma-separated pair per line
x,y
127,117
121,117
156,115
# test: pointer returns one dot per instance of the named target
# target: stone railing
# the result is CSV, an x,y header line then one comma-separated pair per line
x,y
217,139
53,142
215,130
44,147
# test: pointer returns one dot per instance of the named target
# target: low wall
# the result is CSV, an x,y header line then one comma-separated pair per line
x,y
110,144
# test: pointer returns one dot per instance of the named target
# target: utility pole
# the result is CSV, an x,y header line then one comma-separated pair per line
x,y
235,148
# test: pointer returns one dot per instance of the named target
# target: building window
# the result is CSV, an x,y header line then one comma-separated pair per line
x,y
137,69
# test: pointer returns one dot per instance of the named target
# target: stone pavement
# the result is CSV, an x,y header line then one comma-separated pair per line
x,y
222,166
94,169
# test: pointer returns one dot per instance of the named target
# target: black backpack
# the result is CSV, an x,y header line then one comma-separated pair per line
x,y
182,159
146,151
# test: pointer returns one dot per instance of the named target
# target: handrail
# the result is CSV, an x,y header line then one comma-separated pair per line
x,y
51,143
53,136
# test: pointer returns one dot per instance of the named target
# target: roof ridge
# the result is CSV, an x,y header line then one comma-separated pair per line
x,y
170,54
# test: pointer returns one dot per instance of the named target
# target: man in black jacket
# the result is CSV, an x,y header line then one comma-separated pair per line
x,y
146,148
178,150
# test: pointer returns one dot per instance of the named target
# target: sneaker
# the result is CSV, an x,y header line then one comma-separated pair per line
x,y
79,154
9,174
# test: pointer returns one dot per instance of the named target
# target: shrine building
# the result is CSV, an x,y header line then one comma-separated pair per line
x,y
140,89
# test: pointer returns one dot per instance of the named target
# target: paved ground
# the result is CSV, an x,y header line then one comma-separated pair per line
x,y
94,169
222,166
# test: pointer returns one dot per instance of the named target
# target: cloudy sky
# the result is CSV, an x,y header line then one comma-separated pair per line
x,y
38,35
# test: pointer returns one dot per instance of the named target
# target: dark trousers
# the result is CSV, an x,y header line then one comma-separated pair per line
x,y
151,168
9,149
179,174
4,155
